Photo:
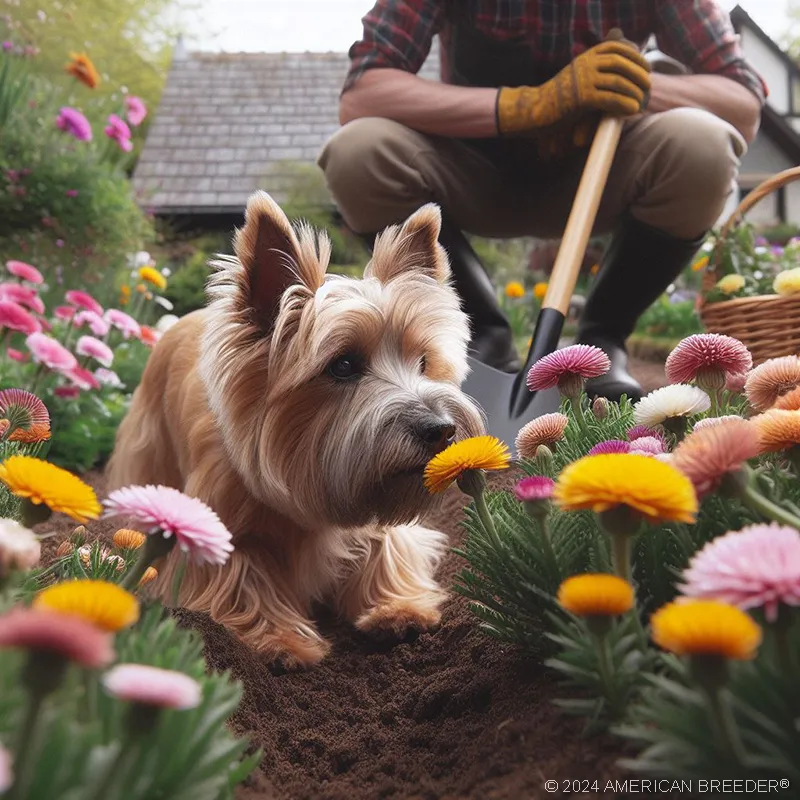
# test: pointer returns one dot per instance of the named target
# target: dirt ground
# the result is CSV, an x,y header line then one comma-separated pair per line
x,y
451,714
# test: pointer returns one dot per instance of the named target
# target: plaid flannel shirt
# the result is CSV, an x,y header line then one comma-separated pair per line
x,y
698,33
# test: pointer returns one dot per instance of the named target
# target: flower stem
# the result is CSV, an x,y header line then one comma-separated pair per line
x,y
621,548
180,569
757,502
714,397
577,407
119,764
605,668
486,519
27,745
722,719
156,547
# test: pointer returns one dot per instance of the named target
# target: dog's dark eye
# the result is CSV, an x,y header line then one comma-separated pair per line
x,y
346,367
422,364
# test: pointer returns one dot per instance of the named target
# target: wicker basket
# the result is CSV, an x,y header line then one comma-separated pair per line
x,y
768,324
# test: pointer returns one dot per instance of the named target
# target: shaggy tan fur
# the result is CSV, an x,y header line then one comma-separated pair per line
x,y
318,475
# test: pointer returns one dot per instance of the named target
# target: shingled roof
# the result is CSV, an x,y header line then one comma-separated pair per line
x,y
229,123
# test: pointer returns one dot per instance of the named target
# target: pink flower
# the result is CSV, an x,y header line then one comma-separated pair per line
x,y
758,566
6,772
610,446
75,297
22,295
73,122
25,272
648,446
707,358
16,318
64,313
568,368
98,325
736,381
638,431
94,348
82,378
24,408
534,488
59,242
16,355
197,529
46,350
545,430
136,110
60,634
108,377
710,422
124,323
118,130
67,392
152,686
71,193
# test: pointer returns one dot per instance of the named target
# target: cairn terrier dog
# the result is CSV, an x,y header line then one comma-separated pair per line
x,y
303,407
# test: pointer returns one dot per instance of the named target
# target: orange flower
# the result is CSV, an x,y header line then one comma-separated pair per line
x,y
789,401
148,336
81,67
38,432
778,430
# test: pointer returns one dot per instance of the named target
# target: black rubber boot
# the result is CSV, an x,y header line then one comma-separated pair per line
x,y
638,266
492,339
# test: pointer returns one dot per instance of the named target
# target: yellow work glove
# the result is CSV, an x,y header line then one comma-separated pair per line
x,y
559,142
612,77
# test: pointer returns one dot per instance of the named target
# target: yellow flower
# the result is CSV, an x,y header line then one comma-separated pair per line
x,y
127,539
154,277
787,282
150,574
105,605
81,67
141,288
730,284
705,627
700,264
654,489
595,595
478,452
540,290
44,483
124,295
594,269
515,289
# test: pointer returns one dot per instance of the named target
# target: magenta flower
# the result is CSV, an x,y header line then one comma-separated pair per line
x,y
8,45
24,408
638,431
73,122
708,359
118,130
93,348
756,567
67,392
64,313
124,323
63,635
82,378
610,446
16,355
152,686
135,110
735,382
198,530
23,296
46,350
534,488
6,771
25,272
59,242
98,325
108,377
16,318
568,369
75,297
648,446
71,193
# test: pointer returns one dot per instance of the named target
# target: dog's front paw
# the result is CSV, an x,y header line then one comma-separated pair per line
x,y
398,620
287,651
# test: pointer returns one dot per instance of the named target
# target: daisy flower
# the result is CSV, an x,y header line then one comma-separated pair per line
x,y
595,595
789,401
82,378
71,121
670,403
135,110
475,453
769,381
610,446
105,605
648,445
152,686
64,313
96,323
19,547
778,430
90,347
534,488
75,297
167,513
118,131
545,430
124,323
23,409
14,317
25,272
24,296
568,369
81,67
707,358
515,290
46,350
756,567
6,771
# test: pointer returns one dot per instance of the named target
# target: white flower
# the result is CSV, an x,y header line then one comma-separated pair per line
x,y
141,259
166,322
108,378
710,422
19,547
166,272
676,400
163,302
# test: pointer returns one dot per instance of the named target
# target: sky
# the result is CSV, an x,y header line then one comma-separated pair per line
x,y
321,25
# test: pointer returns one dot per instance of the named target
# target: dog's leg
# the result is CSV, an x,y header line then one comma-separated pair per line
x,y
393,591
250,598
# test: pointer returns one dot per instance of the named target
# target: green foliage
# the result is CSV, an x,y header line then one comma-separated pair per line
x,y
188,755
669,320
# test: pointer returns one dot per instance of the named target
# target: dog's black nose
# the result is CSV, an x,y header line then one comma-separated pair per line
x,y
435,432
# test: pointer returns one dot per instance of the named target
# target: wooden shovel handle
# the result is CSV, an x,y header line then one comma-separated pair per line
x,y
582,216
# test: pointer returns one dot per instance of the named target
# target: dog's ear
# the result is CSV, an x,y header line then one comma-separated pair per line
x,y
269,252
414,246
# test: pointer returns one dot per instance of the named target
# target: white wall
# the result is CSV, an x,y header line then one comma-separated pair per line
x,y
772,69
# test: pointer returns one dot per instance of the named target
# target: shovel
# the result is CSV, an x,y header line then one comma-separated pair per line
x,y
505,398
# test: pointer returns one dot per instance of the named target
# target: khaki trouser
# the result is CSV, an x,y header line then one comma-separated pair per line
x,y
673,171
